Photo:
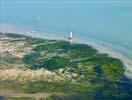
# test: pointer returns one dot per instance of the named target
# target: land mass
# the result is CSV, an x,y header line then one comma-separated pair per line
x,y
58,69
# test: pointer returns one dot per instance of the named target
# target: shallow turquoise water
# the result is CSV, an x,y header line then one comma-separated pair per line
x,y
109,21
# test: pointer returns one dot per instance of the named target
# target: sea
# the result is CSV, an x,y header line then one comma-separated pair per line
x,y
104,24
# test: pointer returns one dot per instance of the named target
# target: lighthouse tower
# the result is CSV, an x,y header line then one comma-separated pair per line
x,y
70,37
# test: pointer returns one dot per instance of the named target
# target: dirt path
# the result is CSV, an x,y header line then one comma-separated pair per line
x,y
10,93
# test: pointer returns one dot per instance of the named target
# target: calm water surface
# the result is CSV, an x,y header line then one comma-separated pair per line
x,y
106,21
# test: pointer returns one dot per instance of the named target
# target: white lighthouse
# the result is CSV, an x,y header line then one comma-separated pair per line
x,y
70,37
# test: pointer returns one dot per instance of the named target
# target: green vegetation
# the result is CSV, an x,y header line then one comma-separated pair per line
x,y
20,98
85,72
12,35
55,63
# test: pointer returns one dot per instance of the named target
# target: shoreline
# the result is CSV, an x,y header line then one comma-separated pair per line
x,y
100,47
115,54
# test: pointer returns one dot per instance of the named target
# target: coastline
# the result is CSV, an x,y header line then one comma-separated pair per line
x,y
101,48
115,54
50,65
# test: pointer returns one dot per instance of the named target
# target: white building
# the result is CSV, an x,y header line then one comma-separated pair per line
x,y
70,37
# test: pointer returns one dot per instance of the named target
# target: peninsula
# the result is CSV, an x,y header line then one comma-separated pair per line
x,y
37,69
